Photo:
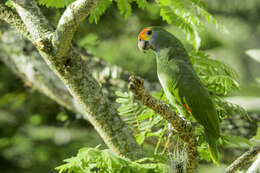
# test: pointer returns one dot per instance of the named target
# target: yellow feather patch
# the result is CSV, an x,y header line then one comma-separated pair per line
x,y
142,35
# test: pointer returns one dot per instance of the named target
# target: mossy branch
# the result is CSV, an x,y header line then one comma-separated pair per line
x,y
181,126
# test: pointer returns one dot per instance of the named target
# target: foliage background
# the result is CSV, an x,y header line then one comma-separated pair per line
x,y
36,134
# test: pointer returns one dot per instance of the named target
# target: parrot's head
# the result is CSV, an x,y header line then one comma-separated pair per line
x,y
154,38
144,39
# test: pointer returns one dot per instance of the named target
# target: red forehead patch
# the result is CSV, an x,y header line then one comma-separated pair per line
x,y
142,34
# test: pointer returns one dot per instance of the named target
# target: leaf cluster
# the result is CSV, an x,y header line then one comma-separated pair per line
x,y
218,77
220,80
189,16
90,160
143,121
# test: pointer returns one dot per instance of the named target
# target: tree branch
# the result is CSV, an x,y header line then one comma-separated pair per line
x,y
75,73
243,159
35,22
255,167
23,59
74,14
13,19
180,125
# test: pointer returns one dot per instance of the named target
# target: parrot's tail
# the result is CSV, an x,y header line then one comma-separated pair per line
x,y
212,141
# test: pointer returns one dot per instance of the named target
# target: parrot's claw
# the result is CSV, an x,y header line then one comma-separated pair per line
x,y
136,83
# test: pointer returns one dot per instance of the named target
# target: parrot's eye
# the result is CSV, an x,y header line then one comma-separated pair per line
x,y
149,32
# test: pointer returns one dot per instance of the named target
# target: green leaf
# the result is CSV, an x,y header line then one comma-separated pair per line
x,y
122,94
123,100
99,10
62,117
141,3
156,133
254,54
9,4
257,136
55,3
140,137
124,7
204,152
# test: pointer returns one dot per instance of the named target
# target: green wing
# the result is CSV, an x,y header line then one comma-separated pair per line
x,y
181,83
190,91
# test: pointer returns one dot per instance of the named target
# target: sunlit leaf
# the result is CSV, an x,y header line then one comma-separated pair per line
x,y
55,3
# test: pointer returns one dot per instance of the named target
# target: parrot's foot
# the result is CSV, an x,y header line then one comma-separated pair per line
x,y
136,83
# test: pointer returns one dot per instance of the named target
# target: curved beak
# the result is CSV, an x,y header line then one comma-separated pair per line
x,y
143,45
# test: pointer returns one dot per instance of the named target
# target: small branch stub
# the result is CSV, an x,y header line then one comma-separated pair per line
x,y
74,14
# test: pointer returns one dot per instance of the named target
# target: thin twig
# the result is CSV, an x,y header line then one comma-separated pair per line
x,y
243,159
181,126
69,21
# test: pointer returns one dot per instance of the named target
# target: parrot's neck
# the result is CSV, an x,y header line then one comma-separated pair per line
x,y
162,54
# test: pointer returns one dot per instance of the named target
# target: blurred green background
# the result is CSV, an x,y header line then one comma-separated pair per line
x,y
36,134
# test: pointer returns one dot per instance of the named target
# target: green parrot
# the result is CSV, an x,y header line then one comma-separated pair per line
x,y
180,82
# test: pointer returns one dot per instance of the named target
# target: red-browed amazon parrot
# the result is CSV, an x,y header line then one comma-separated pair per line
x,y
180,82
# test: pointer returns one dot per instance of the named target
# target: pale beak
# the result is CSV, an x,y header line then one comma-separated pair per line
x,y
143,45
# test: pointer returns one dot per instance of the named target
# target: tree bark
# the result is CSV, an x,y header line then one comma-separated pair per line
x,y
72,84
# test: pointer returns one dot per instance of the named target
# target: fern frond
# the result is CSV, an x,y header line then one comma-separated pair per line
x,y
219,78
99,10
187,15
174,11
201,11
124,7
89,160
142,120
226,109
142,3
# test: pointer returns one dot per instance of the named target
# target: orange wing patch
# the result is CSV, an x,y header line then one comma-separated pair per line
x,y
187,108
